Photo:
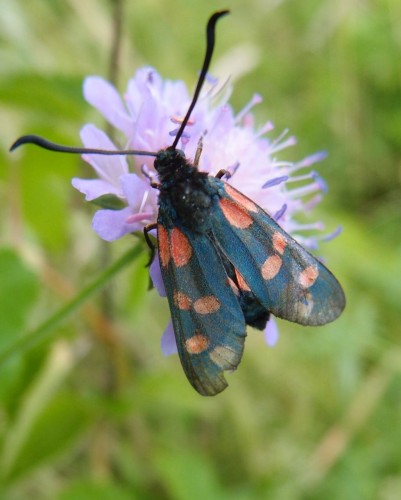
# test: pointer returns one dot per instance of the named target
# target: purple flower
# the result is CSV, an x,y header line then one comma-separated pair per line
x,y
148,117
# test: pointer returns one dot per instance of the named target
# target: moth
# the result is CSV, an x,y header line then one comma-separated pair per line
x,y
225,262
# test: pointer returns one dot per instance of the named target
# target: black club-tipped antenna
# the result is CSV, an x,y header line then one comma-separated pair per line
x,y
210,40
52,146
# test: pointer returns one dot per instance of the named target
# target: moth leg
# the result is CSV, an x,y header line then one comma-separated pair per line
x,y
198,151
146,173
223,172
149,242
150,177
228,172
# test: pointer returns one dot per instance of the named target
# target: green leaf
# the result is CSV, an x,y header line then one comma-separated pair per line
x,y
18,291
110,201
44,424
45,191
83,490
44,96
138,283
60,424
48,327
189,475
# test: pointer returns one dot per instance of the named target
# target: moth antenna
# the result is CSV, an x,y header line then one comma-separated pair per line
x,y
210,40
59,148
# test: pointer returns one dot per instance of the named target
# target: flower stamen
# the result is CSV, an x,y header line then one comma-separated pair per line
x,y
179,119
308,189
144,200
313,226
174,132
279,214
311,204
275,181
139,217
264,129
256,99
333,234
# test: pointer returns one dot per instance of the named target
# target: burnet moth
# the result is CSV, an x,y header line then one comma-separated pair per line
x,y
225,262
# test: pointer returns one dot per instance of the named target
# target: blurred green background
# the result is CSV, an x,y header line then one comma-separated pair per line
x,y
94,410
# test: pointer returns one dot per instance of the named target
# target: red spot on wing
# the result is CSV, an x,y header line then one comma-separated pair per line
x,y
271,267
240,198
197,344
207,305
182,301
242,284
236,215
308,276
279,242
164,248
181,249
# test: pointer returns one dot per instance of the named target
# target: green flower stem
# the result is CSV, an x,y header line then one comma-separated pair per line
x,y
46,329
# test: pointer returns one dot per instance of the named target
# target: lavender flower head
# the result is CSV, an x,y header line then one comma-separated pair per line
x,y
148,118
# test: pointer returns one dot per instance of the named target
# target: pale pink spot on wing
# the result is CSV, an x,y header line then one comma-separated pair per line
x,y
304,307
271,267
225,357
207,305
236,215
181,249
197,344
308,276
240,198
182,301
279,242
164,249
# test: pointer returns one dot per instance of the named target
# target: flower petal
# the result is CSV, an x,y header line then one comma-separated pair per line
x,y
93,188
271,332
109,168
156,276
167,342
104,97
111,224
146,82
134,189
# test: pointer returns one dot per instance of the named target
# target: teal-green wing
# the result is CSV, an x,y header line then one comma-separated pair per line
x,y
208,323
285,278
